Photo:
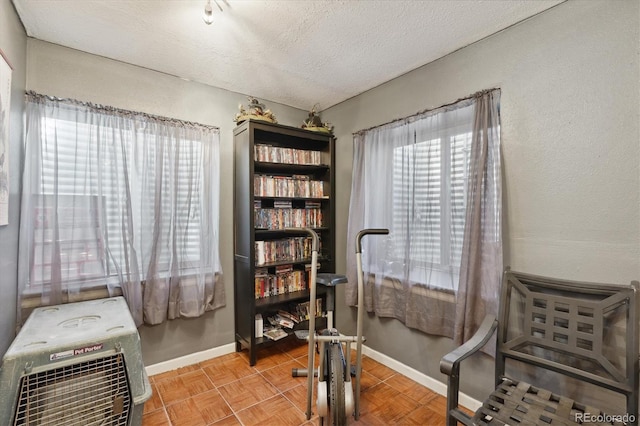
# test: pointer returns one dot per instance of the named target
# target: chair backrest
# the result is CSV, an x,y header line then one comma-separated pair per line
x,y
586,331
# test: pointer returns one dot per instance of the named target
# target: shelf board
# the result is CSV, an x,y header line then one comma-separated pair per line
x,y
264,167
270,197
266,302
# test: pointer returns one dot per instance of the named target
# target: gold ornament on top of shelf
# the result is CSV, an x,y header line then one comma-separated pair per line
x,y
255,111
314,123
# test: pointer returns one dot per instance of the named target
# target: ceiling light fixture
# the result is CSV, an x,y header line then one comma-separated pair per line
x,y
208,12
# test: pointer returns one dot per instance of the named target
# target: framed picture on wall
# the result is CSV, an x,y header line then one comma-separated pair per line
x,y
5,102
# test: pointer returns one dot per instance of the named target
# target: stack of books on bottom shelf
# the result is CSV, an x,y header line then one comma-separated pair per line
x,y
281,323
275,333
276,323
283,319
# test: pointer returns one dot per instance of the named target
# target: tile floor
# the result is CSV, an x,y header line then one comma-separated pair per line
x,y
227,391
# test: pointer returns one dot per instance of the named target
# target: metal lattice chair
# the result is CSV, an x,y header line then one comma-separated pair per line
x,y
585,332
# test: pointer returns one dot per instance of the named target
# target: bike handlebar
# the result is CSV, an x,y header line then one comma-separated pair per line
x,y
374,231
314,235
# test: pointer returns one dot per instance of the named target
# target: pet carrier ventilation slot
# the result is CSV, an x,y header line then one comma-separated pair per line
x,y
75,364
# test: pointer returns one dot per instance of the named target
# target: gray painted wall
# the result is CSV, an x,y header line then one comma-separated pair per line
x,y
570,107
570,142
64,72
13,42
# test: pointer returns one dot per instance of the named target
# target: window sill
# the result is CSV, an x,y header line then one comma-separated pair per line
x,y
32,297
445,295
417,289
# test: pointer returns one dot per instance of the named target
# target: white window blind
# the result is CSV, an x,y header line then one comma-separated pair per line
x,y
429,193
459,173
417,171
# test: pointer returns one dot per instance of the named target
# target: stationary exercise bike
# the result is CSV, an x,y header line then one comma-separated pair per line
x,y
335,396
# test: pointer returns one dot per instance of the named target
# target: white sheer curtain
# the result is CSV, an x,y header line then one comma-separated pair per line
x,y
413,176
119,199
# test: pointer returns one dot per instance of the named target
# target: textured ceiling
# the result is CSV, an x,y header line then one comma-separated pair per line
x,y
299,53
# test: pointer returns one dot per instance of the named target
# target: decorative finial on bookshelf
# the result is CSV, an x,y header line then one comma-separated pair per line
x,y
314,123
255,111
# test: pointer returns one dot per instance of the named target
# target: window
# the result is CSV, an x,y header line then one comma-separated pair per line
x,y
422,200
433,179
124,200
91,240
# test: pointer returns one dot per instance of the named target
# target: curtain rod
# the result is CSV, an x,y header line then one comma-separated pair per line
x,y
427,111
37,97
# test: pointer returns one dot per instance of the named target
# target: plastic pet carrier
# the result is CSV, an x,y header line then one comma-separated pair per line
x,y
75,364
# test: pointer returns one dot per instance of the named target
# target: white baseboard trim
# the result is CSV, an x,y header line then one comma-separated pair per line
x,y
415,375
194,358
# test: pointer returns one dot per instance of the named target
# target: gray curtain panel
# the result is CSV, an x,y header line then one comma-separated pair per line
x,y
120,200
482,261
428,178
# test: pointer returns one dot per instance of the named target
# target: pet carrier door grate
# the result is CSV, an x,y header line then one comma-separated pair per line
x,y
90,393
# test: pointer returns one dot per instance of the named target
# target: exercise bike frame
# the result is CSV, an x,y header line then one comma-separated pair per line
x,y
336,338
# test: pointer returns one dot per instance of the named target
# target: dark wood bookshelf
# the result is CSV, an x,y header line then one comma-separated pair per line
x,y
246,135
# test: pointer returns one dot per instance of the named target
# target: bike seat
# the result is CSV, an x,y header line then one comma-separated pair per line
x,y
330,280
